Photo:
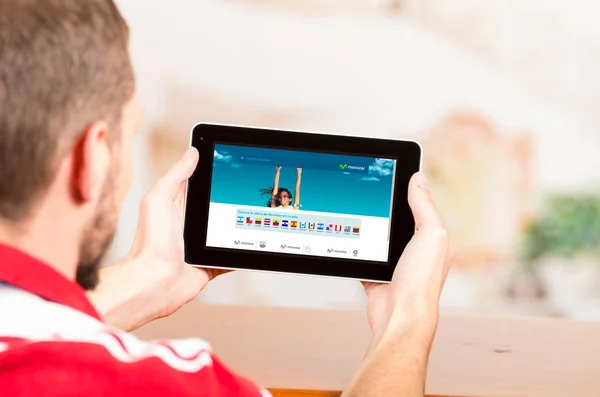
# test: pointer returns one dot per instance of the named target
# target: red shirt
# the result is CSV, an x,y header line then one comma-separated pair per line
x,y
54,343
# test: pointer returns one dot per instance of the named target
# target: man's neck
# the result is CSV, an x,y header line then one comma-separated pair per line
x,y
45,239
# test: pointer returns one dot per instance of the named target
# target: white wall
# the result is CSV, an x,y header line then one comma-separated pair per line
x,y
369,75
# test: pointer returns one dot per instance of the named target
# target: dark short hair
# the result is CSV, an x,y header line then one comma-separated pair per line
x,y
63,65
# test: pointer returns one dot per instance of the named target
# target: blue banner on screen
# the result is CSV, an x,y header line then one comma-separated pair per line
x,y
305,160
331,183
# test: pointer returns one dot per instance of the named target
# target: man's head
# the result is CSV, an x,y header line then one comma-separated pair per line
x,y
68,115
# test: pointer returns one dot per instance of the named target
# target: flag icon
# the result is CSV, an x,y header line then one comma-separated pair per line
x,y
267,222
347,229
320,226
311,225
329,227
240,219
338,228
248,220
275,222
284,223
258,221
356,229
294,223
302,225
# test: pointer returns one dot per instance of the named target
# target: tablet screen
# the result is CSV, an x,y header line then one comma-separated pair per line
x,y
300,202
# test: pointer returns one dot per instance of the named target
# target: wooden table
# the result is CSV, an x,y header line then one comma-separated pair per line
x,y
308,352
308,393
303,393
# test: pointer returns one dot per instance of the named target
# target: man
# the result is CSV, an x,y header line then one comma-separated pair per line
x,y
68,113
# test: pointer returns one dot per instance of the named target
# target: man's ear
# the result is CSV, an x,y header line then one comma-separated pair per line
x,y
91,162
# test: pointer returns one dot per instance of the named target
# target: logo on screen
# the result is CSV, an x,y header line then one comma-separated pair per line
x,y
267,222
352,167
240,219
336,251
284,223
240,242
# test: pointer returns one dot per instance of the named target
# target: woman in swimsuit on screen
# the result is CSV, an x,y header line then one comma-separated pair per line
x,y
282,197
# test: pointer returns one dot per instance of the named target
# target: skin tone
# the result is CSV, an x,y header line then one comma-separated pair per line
x,y
284,197
403,314
153,281
298,182
276,189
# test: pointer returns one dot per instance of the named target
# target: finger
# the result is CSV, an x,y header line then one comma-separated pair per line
x,y
421,203
180,201
449,259
369,286
208,274
214,273
171,183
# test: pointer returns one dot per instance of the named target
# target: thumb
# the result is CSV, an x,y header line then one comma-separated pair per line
x,y
170,183
421,203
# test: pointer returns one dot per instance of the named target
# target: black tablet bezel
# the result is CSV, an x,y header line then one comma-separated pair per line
x,y
205,136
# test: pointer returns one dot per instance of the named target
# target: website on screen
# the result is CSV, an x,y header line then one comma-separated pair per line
x,y
298,202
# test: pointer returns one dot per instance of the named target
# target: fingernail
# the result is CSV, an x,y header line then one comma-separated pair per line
x,y
422,181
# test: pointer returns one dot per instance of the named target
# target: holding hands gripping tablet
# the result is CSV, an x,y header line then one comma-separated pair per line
x,y
260,194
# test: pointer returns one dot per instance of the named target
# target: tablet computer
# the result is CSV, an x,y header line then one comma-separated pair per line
x,y
299,202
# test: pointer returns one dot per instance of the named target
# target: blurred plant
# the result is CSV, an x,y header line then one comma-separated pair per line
x,y
568,226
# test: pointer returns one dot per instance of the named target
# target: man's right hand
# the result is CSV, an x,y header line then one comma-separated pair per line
x,y
403,314
420,274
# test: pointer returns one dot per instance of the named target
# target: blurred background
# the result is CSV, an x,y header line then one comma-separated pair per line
x,y
503,95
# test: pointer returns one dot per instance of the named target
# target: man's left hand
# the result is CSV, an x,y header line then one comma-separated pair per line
x,y
159,237
154,281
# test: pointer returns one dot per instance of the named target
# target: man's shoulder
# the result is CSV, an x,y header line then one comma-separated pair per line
x,y
31,325
51,349
116,364
25,315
